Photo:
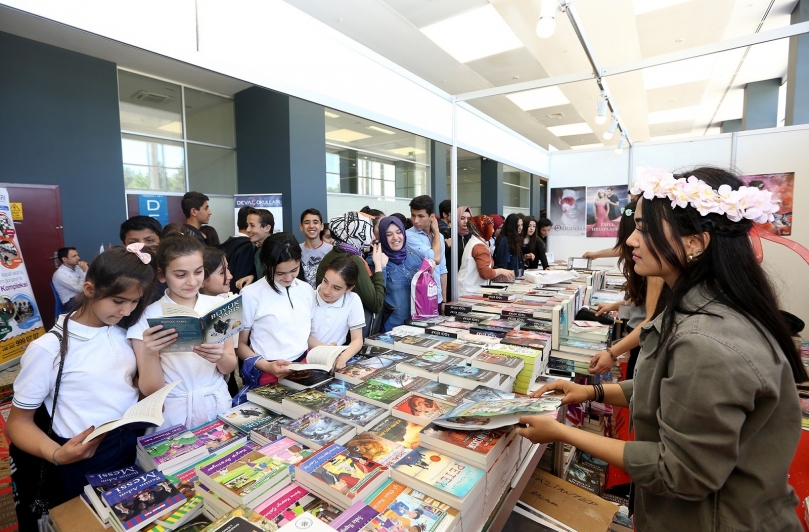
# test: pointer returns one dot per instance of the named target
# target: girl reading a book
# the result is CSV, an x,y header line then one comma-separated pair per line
x,y
217,276
203,391
88,347
277,312
338,310
713,404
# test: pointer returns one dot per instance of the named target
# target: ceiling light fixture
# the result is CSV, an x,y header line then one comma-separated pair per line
x,y
381,130
570,129
608,134
547,18
601,114
539,98
332,115
621,144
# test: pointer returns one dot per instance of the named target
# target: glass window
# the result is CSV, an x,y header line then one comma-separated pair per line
x,y
212,170
153,164
209,118
150,106
516,190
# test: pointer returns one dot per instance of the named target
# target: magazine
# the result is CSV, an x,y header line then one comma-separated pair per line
x,y
499,413
212,326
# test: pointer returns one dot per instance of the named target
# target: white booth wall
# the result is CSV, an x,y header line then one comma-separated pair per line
x,y
762,151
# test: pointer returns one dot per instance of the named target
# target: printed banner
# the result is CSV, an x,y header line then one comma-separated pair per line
x,y
604,205
20,321
568,210
782,187
271,202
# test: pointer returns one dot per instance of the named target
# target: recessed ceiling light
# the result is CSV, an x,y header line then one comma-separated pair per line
x,y
673,115
515,77
538,98
381,130
462,36
686,71
584,146
345,135
570,129
407,152
332,115
645,6
680,40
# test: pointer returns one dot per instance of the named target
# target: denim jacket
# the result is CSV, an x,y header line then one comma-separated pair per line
x,y
397,289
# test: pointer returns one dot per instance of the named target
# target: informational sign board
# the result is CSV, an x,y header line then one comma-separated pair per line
x,y
20,320
271,202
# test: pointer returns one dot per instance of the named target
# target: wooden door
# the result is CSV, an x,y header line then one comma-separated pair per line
x,y
40,235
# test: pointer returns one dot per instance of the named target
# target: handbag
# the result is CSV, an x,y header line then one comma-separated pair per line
x,y
34,501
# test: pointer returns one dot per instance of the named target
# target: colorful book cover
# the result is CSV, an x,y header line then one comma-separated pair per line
x,y
418,341
102,482
398,379
509,325
357,371
423,407
286,505
142,498
457,325
499,360
372,351
397,503
479,441
242,519
272,430
247,416
471,373
217,435
457,348
246,474
323,510
355,519
513,350
178,445
432,362
180,513
381,338
334,388
344,472
274,392
485,393
440,471
378,391
443,391
354,411
165,434
312,400
494,414
371,446
398,431
286,450
318,428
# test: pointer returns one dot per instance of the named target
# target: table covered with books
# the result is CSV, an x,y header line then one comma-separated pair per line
x,y
416,432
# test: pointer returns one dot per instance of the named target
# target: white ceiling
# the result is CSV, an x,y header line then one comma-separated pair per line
x,y
687,98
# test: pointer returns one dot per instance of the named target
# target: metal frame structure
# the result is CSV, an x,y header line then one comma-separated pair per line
x,y
598,73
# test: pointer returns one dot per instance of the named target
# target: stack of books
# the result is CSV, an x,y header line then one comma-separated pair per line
x,y
378,393
99,483
398,379
587,472
316,430
340,477
371,446
398,431
396,502
269,432
421,410
170,449
469,377
429,365
507,365
139,501
304,402
355,412
247,416
534,364
270,396
218,436
286,505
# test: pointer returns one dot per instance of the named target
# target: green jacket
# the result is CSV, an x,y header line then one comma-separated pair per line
x,y
717,422
370,288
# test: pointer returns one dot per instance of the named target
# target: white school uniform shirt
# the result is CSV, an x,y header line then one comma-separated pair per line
x,y
68,282
96,382
279,324
203,392
332,321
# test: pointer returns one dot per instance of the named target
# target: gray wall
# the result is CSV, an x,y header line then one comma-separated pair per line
x,y
59,125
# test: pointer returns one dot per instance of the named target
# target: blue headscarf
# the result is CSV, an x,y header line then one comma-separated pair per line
x,y
397,257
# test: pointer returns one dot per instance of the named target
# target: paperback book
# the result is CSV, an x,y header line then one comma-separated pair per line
x,y
139,501
270,396
244,475
242,519
371,446
217,436
420,410
178,445
271,431
334,388
358,518
372,351
212,326
429,365
247,416
415,344
320,358
477,447
355,373
354,412
305,379
98,483
486,393
442,477
393,377
496,414
398,431
316,430
458,348
306,401
500,363
286,450
469,377
412,509
377,393
442,391
286,505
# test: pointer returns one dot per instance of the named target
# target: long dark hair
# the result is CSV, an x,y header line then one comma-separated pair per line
x,y
212,259
532,239
278,248
727,268
635,285
175,246
510,233
346,269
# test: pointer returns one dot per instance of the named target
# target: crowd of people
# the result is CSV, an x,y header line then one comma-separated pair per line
x,y
712,392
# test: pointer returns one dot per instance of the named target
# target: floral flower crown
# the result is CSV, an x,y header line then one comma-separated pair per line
x,y
746,203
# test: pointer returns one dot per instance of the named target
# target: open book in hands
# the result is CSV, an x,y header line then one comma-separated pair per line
x,y
321,357
498,413
212,326
148,411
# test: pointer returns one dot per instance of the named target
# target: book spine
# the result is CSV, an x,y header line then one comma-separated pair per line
x,y
445,334
132,486
354,519
146,441
461,318
231,458
284,500
500,297
458,309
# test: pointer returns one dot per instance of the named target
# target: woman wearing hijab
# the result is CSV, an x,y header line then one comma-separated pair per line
x,y
497,222
477,265
399,272
353,232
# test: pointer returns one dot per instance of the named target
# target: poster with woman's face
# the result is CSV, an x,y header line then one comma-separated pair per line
x,y
568,210
604,205
782,187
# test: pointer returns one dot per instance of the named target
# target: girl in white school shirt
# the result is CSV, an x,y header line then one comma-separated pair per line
x,y
277,310
338,310
96,385
203,392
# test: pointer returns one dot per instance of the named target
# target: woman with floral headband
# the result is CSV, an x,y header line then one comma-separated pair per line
x,y
713,404
477,266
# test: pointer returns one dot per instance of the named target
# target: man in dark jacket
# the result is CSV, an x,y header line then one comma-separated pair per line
x,y
239,251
